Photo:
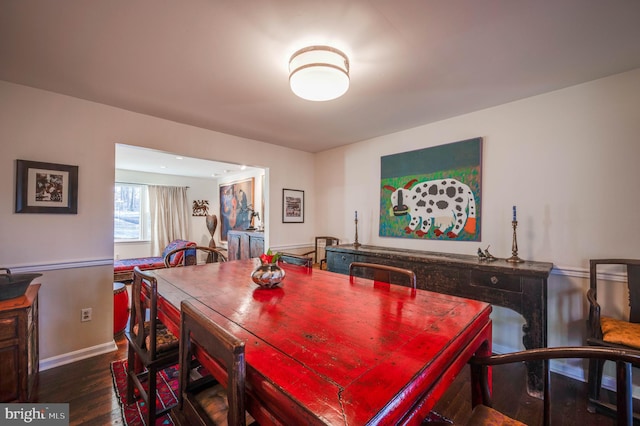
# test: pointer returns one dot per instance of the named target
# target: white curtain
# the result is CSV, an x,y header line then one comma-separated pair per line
x,y
169,210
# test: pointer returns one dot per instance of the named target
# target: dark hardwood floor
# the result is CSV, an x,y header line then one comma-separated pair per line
x,y
88,388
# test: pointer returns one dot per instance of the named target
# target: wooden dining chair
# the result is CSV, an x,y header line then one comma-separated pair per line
x,y
320,244
191,256
151,346
294,259
484,414
212,399
384,273
609,332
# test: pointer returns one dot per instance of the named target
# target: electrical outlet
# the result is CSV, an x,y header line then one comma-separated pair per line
x,y
85,314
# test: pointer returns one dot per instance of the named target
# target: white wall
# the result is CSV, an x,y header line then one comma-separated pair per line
x,y
75,252
568,159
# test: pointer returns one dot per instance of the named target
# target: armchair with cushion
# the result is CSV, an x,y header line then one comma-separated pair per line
x,y
484,414
123,268
611,332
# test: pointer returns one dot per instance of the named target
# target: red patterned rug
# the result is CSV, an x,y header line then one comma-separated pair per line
x,y
167,391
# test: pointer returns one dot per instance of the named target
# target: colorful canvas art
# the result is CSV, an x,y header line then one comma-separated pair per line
x,y
432,193
236,204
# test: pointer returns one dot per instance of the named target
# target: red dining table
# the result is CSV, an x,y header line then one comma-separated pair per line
x,y
325,349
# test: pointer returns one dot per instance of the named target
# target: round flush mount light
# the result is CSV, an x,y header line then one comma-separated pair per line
x,y
319,73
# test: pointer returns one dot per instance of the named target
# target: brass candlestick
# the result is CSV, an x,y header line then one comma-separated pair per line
x,y
356,244
514,246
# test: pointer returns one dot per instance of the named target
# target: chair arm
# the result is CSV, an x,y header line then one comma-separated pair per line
x,y
563,352
591,298
593,323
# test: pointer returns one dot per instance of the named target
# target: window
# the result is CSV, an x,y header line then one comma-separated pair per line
x,y
131,212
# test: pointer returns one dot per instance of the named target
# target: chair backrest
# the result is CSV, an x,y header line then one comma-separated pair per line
x,y
633,282
190,256
624,359
144,298
220,346
177,256
294,259
322,242
384,273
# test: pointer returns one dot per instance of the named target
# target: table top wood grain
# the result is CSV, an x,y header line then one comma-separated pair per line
x,y
327,349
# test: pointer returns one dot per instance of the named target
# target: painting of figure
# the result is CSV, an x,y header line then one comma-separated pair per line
x,y
236,201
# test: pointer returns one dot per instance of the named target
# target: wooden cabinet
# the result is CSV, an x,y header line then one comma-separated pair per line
x,y
244,244
19,361
518,286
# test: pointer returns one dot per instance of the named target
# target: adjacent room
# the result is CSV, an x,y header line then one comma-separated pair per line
x,y
366,203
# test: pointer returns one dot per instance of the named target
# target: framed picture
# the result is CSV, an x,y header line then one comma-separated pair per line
x,y
236,206
292,206
46,187
433,193
200,207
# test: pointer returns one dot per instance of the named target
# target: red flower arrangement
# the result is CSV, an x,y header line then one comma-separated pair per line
x,y
269,257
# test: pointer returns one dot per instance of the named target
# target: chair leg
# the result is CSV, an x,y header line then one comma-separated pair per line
x,y
594,382
130,371
624,394
151,396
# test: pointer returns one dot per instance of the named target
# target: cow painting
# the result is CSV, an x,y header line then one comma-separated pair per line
x,y
446,204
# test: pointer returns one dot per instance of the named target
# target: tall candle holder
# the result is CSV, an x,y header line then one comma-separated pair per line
x,y
514,245
356,244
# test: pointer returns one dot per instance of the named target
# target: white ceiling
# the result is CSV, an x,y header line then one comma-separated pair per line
x,y
152,161
222,64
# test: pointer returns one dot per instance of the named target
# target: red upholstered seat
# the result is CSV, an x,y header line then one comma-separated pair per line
x,y
127,265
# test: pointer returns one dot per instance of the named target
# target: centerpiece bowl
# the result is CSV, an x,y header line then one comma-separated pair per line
x,y
268,275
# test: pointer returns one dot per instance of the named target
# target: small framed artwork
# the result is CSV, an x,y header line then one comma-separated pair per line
x,y
46,187
200,207
292,206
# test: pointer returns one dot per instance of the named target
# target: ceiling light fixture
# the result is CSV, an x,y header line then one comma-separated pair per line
x,y
319,73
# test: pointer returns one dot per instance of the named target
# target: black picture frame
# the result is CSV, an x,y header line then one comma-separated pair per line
x,y
46,188
292,206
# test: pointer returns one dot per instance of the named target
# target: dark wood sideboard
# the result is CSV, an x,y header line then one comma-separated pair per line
x,y
518,286
19,360
244,244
